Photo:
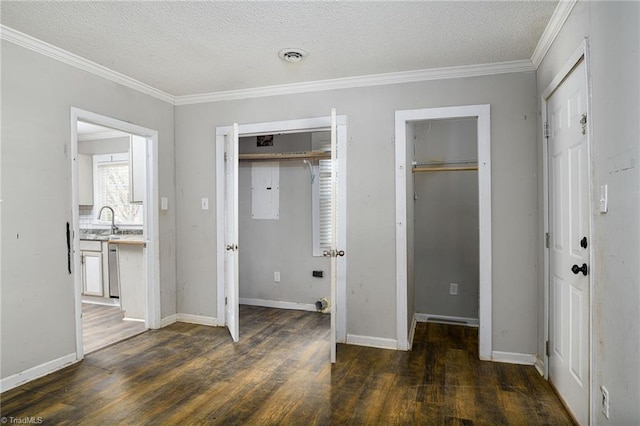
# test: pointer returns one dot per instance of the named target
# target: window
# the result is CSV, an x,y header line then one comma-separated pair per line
x,y
112,188
321,207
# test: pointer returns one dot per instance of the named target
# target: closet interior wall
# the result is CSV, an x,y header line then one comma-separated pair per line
x,y
446,239
283,245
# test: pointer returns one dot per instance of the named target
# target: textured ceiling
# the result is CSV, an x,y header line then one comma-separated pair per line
x,y
190,47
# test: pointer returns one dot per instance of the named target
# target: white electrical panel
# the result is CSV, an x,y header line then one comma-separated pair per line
x,y
265,190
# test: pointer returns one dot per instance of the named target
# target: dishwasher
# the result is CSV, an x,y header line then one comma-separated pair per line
x,y
114,271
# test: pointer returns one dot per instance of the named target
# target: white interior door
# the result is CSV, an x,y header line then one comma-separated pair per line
x,y
231,234
569,243
334,252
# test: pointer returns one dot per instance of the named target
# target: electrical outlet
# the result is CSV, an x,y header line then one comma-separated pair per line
x,y
453,289
276,277
605,401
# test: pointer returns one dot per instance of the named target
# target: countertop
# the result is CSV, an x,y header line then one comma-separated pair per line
x,y
130,239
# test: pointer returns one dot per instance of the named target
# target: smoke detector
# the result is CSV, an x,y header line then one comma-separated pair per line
x,y
292,55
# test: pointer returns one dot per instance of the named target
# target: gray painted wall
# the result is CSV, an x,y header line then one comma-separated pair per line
x,y
446,220
371,287
104,146
37,307
283,245
614,37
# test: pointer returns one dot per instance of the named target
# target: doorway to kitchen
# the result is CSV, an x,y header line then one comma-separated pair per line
x,y
115,224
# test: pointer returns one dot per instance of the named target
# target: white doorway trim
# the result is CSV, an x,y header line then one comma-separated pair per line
x,y
482,112
581,53
280,127
151,221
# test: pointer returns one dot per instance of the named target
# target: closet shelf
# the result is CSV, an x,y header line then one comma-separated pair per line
x,y
444,169
275,156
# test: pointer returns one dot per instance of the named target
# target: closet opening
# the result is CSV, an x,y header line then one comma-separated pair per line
x,y
445,221
284,221
231,248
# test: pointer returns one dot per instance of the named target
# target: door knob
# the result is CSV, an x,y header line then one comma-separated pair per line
x,y
583,242
232,247
577,269
340,253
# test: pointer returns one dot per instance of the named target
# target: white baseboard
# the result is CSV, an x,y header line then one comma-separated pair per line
x,y
514,358
412,332
373,342
447,319
168,320
539,366
36,372
101,301
279,305
197,319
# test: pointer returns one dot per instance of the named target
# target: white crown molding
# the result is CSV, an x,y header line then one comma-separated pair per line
x,y
46,49
360,81
552,29
39,46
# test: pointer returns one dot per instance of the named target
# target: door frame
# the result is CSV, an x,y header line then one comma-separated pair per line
x,y
483,114
151,219
279,127
581,53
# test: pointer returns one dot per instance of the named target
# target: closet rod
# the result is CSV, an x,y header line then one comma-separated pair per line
x,y
444,169
444,163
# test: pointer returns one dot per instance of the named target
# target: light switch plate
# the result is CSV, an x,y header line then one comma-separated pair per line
x,y
205,204
604,198
164,203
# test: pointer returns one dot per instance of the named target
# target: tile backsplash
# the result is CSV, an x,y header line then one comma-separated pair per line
x,y
86,216
87,220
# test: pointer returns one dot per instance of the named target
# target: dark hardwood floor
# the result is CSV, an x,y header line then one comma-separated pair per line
x,y
279,373
104,325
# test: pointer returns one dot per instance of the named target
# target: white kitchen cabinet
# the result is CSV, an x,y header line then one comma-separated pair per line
x,y
94,256
92,276
137,168
85,180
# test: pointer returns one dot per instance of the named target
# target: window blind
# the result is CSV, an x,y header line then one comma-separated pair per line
x,y
113,191
325,187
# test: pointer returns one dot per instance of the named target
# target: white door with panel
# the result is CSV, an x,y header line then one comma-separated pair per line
x,y
569,243
334,252
231,234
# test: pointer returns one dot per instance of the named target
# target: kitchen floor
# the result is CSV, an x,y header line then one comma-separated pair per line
x,y
105,325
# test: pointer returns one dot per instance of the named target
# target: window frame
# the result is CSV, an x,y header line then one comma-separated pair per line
x,y
98,159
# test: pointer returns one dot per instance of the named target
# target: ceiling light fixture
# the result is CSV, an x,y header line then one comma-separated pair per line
x,y
292,54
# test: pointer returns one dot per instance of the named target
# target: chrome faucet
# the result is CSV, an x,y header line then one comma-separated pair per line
x,y
114,228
